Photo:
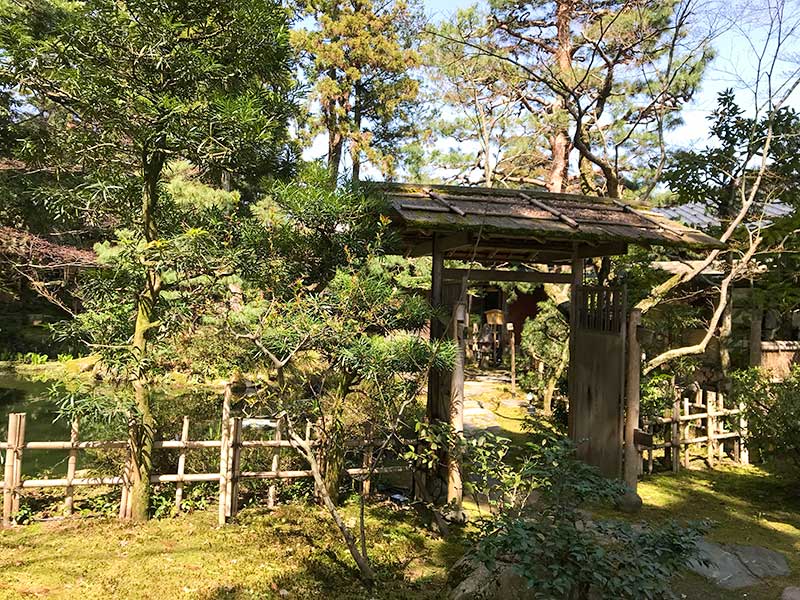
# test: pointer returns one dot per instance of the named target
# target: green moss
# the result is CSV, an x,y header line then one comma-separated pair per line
x,y
295,548
747,505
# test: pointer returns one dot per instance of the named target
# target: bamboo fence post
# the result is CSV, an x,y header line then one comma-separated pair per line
x,y
123,497
744,453
72,462
367,462
8,477
686,431
236,468
276,464
510,327
181,465
676,433
17,483
224,452
720,425
711,424
650,451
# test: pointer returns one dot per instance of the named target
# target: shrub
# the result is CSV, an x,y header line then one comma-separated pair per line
x,y
772,410
539,527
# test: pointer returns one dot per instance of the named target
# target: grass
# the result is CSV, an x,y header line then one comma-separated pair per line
x,y
292,552
295,551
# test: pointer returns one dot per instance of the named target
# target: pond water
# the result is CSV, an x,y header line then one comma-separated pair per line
x,y
41,421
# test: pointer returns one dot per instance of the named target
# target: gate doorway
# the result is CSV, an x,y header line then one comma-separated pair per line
x,y
597,376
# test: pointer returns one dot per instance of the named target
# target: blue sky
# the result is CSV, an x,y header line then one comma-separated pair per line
x,y
733,67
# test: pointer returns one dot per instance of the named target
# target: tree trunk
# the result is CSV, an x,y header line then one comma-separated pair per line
x,y
141,438
355,146
367,574
559,140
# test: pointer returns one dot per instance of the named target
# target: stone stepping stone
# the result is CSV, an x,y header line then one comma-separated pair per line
x,y
733,566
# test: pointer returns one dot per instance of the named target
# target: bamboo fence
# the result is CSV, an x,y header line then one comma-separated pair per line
x,y
698,418
231,444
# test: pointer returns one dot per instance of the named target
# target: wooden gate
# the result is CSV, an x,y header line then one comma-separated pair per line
x,y
597,376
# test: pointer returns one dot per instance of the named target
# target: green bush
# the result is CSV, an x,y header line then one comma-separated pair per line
x,y
537,524
772,410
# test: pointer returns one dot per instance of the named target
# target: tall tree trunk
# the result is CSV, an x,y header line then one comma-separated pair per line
x,y
355,147
559,140
335,149
141,438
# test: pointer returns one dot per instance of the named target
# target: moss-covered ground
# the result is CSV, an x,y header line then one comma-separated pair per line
x,y
293,552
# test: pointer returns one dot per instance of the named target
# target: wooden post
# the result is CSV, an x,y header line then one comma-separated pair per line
x,y
513,348
744,453
72,462
686,432
756,315
224,453
20,443
454,483
650,452
8,477
721,425
366,461
676,431
181,465
124,512
236,467
276,463
577,281
711,425
632,399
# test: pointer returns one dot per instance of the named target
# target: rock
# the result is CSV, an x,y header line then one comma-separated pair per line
x,y
791,593
83,364
761,562
629,502
732,566
471,580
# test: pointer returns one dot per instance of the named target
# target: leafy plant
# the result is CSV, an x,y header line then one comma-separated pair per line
x,y
772,409
538,528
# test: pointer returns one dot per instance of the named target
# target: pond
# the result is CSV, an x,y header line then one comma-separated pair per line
x,y
41,423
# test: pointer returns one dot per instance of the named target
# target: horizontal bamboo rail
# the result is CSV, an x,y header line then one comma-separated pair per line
x,y
231,445
680,429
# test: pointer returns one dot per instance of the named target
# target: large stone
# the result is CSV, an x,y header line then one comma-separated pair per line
x,y
471,580
791,593
732,566
761,562
629,502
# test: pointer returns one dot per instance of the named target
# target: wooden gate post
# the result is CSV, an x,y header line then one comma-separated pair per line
x,y
181,465
455,489
8,477
632,399
72,463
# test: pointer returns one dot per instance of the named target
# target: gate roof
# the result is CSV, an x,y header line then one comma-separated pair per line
x,y
493,225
